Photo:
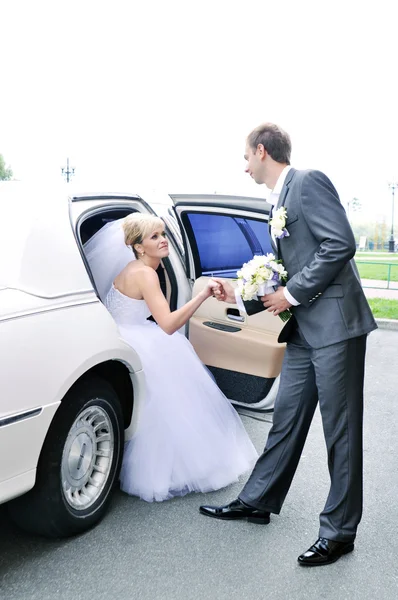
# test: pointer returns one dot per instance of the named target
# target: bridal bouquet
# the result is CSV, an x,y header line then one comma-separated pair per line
x,y
261,275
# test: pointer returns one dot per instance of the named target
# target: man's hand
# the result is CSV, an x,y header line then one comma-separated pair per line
x,y
224,292
276,302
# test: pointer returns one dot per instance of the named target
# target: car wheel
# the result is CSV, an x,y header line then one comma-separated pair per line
x,y
79,463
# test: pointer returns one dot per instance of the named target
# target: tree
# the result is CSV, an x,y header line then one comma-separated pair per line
x,y
5,172
353,205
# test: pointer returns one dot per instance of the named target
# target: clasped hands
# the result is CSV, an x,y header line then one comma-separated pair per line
x,y
225,292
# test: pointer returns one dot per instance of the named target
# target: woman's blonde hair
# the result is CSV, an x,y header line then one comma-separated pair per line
x,y
138,226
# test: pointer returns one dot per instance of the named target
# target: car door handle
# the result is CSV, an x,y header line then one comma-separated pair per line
x,y
234,315
238,318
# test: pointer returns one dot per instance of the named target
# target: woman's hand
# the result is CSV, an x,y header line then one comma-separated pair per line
x,y
211,288
224,291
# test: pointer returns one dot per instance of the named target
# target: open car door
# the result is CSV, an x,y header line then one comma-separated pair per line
x,y
220,234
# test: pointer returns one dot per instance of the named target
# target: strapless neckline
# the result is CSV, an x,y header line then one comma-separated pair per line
x,y
128,297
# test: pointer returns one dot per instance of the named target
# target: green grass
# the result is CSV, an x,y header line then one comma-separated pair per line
x,y
384,309
372,265
375,271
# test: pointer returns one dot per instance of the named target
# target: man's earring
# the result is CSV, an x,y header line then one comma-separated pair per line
x,y
142,253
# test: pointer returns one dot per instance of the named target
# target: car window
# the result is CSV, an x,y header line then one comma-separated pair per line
x,y
225,242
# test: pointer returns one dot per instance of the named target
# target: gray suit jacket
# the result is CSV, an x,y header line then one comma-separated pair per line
x,y
318,258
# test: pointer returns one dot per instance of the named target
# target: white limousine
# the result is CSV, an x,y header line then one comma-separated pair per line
x,y
70,387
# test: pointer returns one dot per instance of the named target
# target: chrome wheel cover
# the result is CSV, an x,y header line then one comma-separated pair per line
x,y
87,458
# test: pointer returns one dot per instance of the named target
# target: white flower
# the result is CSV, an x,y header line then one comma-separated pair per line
x,y
240,286
250,291
258,260
246,272
277,232
278,223
259,274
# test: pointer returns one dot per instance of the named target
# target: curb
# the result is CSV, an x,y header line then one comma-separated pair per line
x,y
391,324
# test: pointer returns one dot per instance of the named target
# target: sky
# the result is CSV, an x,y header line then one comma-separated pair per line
x,y
162,94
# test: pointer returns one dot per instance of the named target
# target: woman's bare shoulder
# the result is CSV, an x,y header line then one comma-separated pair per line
x,y
139,271
136,266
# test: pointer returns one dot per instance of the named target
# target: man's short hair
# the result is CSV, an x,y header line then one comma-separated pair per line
x,y
275,141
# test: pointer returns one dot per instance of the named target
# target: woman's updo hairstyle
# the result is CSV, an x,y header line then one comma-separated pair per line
x,y
138,226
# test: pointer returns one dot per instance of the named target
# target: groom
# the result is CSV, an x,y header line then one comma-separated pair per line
x,y
325,351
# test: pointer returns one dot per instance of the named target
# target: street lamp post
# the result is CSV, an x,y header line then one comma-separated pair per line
x,y
391,243
67,172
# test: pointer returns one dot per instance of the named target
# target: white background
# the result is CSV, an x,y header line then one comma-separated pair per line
x,y
162,94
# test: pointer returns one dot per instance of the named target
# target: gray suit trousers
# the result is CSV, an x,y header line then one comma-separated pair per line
x,y
333,375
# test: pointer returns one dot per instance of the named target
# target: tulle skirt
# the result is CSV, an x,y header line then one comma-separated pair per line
x,y
189,438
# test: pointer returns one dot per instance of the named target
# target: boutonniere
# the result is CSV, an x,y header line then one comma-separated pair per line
x,y
278,223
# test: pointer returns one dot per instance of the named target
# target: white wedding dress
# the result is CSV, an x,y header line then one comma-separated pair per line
x,y
189,438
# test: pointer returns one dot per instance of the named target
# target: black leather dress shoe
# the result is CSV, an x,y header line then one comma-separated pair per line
x,y
324,552
236,510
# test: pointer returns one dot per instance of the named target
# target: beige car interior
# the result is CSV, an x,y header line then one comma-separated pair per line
x,y
253,349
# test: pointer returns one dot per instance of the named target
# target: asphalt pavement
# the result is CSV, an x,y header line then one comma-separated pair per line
x,y
168,551
375,288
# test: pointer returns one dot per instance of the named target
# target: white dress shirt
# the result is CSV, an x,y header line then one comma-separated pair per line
x,y
276,192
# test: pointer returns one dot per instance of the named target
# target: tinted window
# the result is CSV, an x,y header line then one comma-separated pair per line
x,y
224,243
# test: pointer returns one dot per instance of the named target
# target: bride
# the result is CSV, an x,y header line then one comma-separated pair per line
x,y
189,437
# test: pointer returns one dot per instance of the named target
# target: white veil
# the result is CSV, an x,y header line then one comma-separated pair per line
x,y
107,255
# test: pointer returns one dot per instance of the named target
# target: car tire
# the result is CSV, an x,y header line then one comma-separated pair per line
x,y
78,466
